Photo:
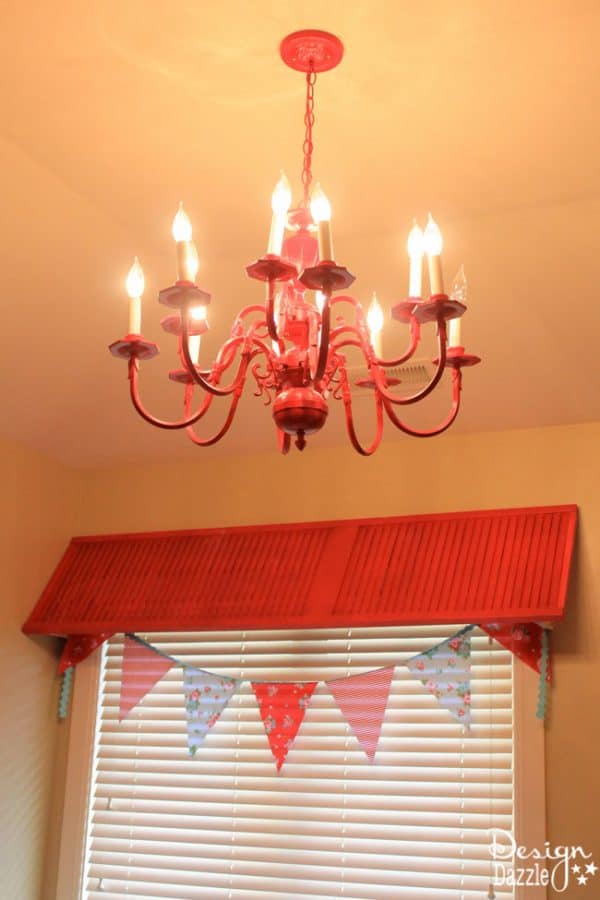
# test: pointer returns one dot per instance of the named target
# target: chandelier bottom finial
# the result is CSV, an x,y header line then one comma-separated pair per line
x,y
300,411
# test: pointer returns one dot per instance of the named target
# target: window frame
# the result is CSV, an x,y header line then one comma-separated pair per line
x,y
529,774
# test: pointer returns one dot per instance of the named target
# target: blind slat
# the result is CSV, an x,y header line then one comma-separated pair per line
x,y
225,826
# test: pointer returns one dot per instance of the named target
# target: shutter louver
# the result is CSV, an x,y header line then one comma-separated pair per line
x,y
224,826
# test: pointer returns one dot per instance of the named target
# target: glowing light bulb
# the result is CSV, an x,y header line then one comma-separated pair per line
x,y
196,314
459,286
320,207
281,199
432,239
135,289
192,261
320,210
375,323
135,280
415,243
182,227
459,292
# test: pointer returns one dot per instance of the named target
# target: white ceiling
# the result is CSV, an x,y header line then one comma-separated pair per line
x,y
112,111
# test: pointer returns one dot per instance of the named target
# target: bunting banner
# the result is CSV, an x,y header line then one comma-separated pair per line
x,y
524,639
282,706
362,700
143,666
206,696
445,670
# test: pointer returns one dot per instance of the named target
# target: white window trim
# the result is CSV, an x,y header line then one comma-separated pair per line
x,y
529,774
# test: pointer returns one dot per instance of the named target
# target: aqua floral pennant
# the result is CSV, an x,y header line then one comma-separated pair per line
x,y
206,696
445,670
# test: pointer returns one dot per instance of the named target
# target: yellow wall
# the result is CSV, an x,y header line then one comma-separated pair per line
x,y
39,500
519,468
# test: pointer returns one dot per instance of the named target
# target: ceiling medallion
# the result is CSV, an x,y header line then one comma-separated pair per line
x,y
291,345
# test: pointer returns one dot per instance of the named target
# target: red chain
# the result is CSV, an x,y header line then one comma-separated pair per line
x,y
309,121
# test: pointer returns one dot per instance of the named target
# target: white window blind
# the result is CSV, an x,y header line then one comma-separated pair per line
x,y
224,826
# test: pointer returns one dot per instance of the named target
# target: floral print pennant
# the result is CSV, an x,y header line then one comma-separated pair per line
x,y
282,706
206,696
524,639
445,670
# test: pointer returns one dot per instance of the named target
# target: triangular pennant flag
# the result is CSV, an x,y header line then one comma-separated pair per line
x,y
142,668
445,670
524,639
363,701
78,647
206,696
282,706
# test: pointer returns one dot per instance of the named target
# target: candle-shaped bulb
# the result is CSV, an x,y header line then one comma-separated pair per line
x,y
320,210
459,292
320,207
375,316
182,227
415,243
375,323
432,238
198,313
193,263
459,286
281,199
135,289
135,280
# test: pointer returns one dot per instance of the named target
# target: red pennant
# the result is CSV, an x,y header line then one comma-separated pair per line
x,y
282,706
363,701
79,646
142,668
524,639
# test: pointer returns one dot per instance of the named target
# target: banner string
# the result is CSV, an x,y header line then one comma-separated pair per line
x,y
185,665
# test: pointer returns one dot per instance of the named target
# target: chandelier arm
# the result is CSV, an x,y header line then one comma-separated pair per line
x,y
197,377
347,398
381,386
207,442
415,332
415,432
323,339
346,298
161,423
271,323
415,337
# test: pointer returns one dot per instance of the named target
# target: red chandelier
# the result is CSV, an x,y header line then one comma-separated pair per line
x,y
289,344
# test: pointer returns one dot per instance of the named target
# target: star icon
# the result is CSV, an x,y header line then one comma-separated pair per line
x,y
591,868
582,879
575,870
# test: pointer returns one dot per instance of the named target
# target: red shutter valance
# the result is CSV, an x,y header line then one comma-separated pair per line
x,y
499,565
